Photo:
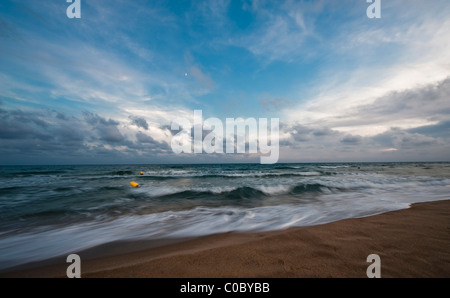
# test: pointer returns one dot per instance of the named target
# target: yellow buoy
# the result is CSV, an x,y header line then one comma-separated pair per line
x,y
134,184
141,173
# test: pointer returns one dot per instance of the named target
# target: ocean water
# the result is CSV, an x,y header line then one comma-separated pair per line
x,y
49,211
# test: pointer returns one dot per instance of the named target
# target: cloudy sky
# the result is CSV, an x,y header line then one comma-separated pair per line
x,y
105,88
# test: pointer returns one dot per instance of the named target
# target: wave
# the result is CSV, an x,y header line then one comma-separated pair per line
x,y
233,175
287,167
10,188
308,188
334,167
48,242
237,193
121,173
33,173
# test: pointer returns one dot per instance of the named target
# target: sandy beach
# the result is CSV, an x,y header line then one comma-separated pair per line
x,y
414,242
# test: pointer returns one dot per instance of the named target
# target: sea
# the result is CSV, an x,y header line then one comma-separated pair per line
x,y
50,211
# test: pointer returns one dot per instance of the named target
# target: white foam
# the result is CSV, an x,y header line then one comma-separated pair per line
x,y
274,189
48,242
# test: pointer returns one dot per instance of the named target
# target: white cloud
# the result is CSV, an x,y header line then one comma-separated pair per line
x,y
282,30
343,100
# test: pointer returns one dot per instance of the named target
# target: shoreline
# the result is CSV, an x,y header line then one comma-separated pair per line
x,y
413,242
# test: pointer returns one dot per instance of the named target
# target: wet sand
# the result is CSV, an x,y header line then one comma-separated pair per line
x,y
414,242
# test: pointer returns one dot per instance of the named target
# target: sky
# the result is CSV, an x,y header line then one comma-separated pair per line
x,y
106,87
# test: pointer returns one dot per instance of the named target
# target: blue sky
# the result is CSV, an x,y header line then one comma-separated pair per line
x,y
105,88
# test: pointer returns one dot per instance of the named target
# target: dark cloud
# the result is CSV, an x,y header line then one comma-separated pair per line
x,y
303,133
300,133
430,102
402,139
18,124
168,128
106,129
143,138
351,140
60,116
383,140
323,131
426,143
36,136
441,129
110,134
139,122
95,119
43,136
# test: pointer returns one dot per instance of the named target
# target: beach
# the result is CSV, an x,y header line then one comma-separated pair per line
x,y
413,242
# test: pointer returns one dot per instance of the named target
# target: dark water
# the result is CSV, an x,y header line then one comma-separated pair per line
x,y
47,211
